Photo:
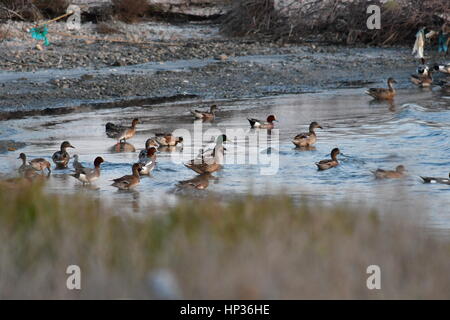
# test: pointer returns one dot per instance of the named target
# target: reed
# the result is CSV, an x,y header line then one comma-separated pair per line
x,y
252,248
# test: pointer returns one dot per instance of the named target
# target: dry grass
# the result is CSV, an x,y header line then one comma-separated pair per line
x,y
130,11
19,9
52,8
334,21
251,248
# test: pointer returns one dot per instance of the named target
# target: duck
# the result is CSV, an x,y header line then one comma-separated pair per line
x,y
148,144
39,164
383,93
129,181
329,163
399,172
209,162
26,170
255,123
442,68
76,163
121,133
167,139
148,162
88,175
436,180
61,158
307,139
424,79
205,115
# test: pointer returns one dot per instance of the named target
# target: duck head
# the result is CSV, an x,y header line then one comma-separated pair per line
x,y
179,139
98,161
151,143
213,108
136,168
65,145
221,139
22,156
151,151
391,81
271,118
134,122
334,153
314,125
400,169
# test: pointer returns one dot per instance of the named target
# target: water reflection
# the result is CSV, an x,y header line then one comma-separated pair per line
x,y
199,182
122,147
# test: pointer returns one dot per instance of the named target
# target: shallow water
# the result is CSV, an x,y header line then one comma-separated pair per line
x,y
414,132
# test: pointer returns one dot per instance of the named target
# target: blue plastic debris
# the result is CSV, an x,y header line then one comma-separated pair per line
x,y
40,33
442,42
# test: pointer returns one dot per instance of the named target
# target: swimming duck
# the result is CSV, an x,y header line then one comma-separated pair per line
x,y
399,172
307,139
382,93
148,162
76,164
88,175
61,158
205,115
208,163
255,123
442,68
39,164
148,144
167,139
425,79
329,163
129,181
121,133
26,170
436,180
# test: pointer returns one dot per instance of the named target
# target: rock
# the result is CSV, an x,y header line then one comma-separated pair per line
x,y
221,57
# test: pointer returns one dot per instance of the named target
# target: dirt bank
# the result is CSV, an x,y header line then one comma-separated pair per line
x,y
71,72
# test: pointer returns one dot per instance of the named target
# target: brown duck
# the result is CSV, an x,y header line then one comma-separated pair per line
x,y
210,162
329,163
307,139
129,181
121,133
167,139
399,172
382,93
39,164
61,158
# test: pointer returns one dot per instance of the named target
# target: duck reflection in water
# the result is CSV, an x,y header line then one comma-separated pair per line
x,y
122,147
199,182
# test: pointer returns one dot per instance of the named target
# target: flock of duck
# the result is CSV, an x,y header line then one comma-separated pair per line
x,y
210,160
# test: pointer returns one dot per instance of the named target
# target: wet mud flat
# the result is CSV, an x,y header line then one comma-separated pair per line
x,y
271,71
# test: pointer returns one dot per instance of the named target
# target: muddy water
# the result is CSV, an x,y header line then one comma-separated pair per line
x,y
414,131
